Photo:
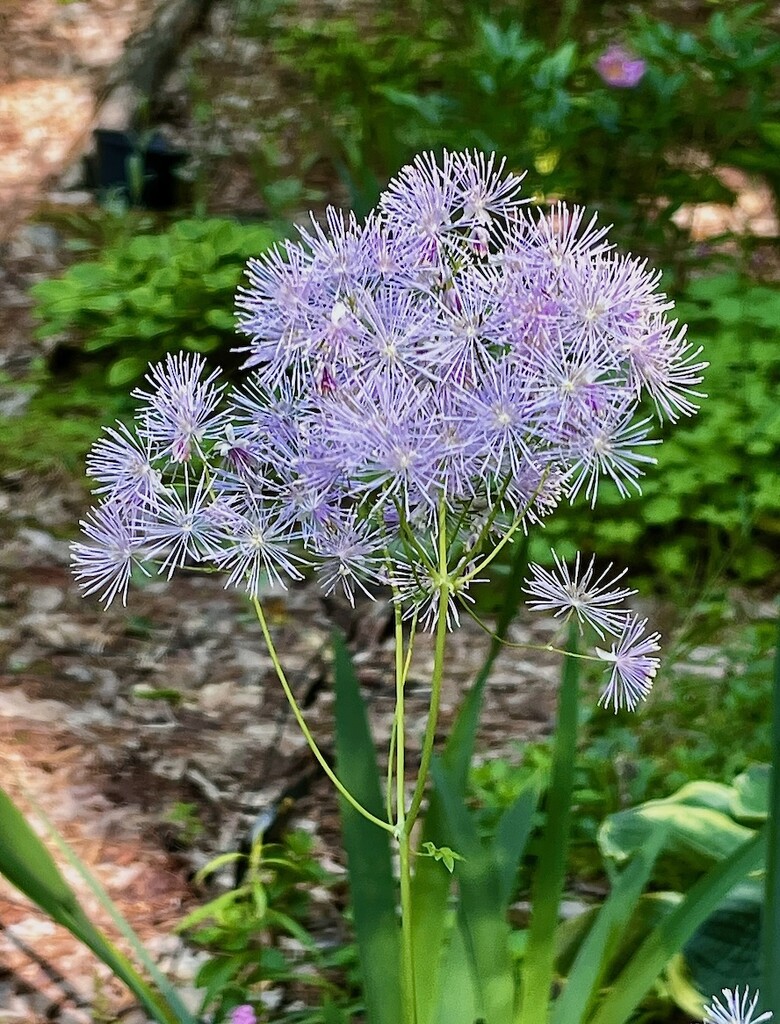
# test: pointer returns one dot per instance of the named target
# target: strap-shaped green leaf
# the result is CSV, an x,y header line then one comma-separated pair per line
x,y
603,939
431,884
674,931
28,865
771,936
367,847
538,962
481,908
458,1001
512,835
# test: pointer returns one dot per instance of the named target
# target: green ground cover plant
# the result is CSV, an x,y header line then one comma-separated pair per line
x,y
143,296
143,291
525,82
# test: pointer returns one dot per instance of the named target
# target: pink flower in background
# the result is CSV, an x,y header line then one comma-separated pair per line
x,y
243,1015
620,68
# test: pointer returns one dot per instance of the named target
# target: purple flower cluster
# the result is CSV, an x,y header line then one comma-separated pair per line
x,y
423,385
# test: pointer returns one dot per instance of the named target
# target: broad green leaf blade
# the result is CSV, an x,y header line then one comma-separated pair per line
x,y
697,818
481,909
458,1003
512,835
28,865
598,949
751,794
178,1010
367,847
38,877
431,884
674,931
539,960
728,943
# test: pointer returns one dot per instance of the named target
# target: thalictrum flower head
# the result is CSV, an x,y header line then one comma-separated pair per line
x,y
594,600
114,543
735,1009
435,378
633,669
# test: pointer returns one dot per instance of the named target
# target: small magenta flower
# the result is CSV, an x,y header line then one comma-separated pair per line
x,y
243,1014
737,1010
620,68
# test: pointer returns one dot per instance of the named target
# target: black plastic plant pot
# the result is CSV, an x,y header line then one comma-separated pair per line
x,y
141,168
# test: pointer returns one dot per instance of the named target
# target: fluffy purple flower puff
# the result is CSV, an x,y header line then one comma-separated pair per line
x,y
434,379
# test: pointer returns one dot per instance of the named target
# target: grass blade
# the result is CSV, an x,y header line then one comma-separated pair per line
x,y
459,1001
595,954
512,835
38,877
539,959
367,847
674,931
481,909
431,884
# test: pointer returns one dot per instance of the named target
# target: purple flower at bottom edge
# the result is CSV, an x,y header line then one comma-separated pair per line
x,y
620,68
736,1010
243,1014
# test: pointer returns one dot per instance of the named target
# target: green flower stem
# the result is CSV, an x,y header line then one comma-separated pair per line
x,y
494,553
539,958
547,648
409,536
408,996
408,993
488,524
305,729
390,762
445,589
508,536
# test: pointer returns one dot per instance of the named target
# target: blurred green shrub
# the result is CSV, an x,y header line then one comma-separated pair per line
x,y
151,294
498,78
